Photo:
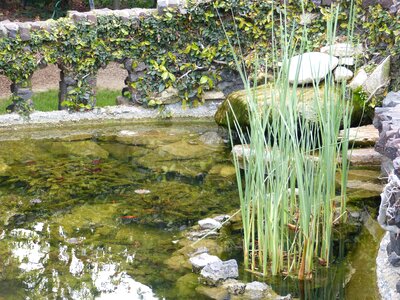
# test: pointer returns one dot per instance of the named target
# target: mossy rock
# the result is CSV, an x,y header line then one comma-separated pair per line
x,y
237,103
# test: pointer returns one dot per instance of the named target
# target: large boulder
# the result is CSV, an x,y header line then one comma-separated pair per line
x,y
311,67
237,102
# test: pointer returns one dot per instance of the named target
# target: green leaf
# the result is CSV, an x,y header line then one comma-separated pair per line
x,y
204,79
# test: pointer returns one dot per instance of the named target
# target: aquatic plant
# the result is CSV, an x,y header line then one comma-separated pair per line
x,y
287,189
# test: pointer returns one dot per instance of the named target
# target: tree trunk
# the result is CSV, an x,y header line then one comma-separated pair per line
x,y
116,4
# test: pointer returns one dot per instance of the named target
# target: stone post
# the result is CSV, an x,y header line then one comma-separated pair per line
x,y
130,95
21,96
69,89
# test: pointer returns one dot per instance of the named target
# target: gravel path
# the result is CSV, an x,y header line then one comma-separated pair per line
x,y
112,77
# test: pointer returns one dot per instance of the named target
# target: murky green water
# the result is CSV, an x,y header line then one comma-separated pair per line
x,y
97,213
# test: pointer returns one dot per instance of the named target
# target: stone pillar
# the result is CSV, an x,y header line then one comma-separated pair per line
x,y
75,91
21,97
130,95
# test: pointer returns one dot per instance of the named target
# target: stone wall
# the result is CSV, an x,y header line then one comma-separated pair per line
x,y
387,121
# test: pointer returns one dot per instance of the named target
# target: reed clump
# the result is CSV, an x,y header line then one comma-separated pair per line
x,y
289,202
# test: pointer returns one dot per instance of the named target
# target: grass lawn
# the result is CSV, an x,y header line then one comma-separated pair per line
x,y
48,101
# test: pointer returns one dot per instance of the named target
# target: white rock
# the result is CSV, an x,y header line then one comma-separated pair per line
x,y
256,290
359,79
342,49
209,224
346,61
314,66
200,261
342,73
379,78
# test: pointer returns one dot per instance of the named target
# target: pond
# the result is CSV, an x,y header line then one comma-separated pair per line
x,y
96,213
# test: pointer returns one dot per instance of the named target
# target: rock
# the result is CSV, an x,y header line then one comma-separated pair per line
x,y
3,167
342,50
121,100
394,259
257,290
346,61
365,157
363,136
12,29
216,272
80,148
234,286
211,138
209,224
213,95
200,261
25,93
237,102
314,66
398,287
379,78
25,31
216,293
169,96
358,80
342,73
392,99
221,218
223,170
3,31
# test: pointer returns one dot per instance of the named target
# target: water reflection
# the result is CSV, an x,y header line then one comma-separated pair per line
x,y
30,249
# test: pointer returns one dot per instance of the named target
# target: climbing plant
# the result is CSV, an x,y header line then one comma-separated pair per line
x,y
184,49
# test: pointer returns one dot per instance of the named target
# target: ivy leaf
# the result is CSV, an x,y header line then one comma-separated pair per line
x,y
172,77
165,75
204,79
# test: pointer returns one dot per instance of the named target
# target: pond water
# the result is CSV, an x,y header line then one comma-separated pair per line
x,y
97,214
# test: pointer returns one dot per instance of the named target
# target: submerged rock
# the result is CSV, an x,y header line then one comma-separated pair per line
x,y
209,224
216,272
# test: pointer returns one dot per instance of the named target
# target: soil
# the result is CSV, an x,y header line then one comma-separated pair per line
x,y
112,77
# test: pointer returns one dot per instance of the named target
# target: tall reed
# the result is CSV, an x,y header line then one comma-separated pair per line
x,y
287,188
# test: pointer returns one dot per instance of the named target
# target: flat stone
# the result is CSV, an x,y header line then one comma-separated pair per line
x,y
365,157
358,80
200,261
209,224
342,73
346,61
363,136
216,272
342,49
213,95
379,78
314,66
